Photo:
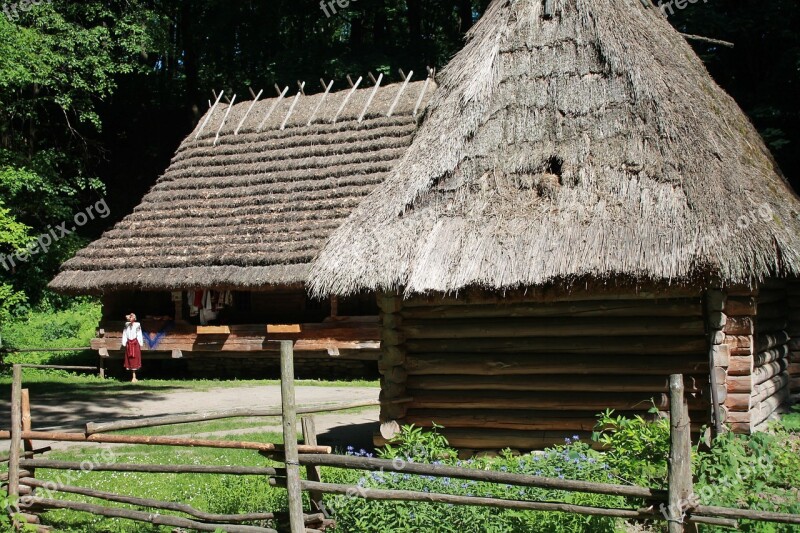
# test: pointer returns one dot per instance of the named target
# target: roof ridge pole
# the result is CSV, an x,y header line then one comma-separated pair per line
x,y
400,93
322,100
294,104
248,111
347,98
208,116
272,109
371,96
228,112
422,94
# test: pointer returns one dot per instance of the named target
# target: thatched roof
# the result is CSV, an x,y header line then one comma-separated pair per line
x,y
253,209
589,144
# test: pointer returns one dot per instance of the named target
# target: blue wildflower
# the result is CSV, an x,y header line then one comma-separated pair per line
x,y
576,438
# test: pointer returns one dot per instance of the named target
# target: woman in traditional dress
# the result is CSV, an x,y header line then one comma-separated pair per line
x,y
133,341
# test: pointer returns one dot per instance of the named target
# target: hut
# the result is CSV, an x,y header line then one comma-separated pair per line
x,y
582,213
219,248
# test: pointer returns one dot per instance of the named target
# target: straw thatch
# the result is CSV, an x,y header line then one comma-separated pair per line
x,y
253,209
590,144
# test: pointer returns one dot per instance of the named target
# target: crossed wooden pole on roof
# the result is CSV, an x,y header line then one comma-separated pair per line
x,y
327,86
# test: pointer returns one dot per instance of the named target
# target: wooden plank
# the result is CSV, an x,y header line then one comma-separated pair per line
x,y
213,330
284,328
556,383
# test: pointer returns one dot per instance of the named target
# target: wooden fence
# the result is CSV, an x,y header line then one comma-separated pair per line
x,y
675,505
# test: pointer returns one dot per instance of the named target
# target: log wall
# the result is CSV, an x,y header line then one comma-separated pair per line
x,y
528,370
793,296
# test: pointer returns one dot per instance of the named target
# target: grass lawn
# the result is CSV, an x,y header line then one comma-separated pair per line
x,y
207,492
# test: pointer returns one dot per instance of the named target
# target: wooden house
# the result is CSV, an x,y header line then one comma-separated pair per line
x,y
220,246
582,213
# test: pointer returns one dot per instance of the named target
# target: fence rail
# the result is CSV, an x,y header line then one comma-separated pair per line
x,y
648,503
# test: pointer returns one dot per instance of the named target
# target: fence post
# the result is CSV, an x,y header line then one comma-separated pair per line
x,y
296,521
16,432
680,455
312,472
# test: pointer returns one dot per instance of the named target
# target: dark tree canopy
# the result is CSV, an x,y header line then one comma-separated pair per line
x,y
96,95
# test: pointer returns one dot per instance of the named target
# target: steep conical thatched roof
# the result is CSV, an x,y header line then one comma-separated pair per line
x,y
592,143
251,209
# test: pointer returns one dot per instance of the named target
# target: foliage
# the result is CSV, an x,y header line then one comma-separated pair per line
x,y
760,471
72,327
637,449
572,460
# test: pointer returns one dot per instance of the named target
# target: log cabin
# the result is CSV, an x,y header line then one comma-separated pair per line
x,y
582,213
215,258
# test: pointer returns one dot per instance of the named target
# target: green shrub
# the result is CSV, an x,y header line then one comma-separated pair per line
x,y
69,328
637,449
759,471
572,460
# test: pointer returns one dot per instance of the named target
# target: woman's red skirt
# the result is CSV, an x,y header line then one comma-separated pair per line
x,y
133,355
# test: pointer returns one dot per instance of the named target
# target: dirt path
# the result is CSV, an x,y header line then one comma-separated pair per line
x,y
62,413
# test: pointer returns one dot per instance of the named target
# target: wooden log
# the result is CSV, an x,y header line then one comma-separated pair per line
x,y
740,306
16,433
93,428
512,419
794,384
295,496
739,401
566,382
391,356
585,309
28,455
492,328
140,516
51,486
771,356
740,365
652,345
568,401
770,296
717,337
503,365
159,441
772,325
739,341
778,311
769,406
716,320
488,476
312,472
747,514
772,386
575,309
715,300
739,325
740,384
680,455
152,469
767,341
720,356
769,371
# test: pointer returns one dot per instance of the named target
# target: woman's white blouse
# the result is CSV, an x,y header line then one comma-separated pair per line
x,y
132,331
